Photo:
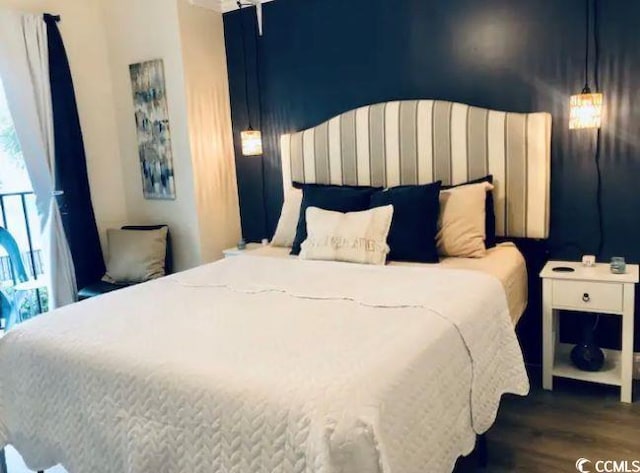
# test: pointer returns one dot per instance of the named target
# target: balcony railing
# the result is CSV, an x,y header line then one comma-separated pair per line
x,y
19,216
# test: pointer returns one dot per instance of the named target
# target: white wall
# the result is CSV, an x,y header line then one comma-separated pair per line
x,y
209,111
138,31
204,218
82,29
102,38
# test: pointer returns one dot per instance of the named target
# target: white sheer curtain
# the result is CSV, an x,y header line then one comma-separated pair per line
x,y
24,67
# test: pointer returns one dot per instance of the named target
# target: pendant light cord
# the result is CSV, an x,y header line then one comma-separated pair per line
x,y
596,78
246,72
596,43
246,94
263,170
587,41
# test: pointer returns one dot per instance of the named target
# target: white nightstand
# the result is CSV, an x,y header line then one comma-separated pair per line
x,y
588,289
230,252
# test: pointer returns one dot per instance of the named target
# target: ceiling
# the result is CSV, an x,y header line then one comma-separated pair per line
x,y
223,6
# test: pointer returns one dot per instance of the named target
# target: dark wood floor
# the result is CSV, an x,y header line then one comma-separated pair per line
x,y
547,432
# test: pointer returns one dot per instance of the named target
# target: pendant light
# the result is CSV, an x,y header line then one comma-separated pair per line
x,y
251,139
586,107
251,142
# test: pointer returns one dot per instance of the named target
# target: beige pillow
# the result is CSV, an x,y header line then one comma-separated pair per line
x,y
354,237
288,223
135,255
462,221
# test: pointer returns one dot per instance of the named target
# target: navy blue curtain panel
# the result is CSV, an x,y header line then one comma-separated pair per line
x,y
71,166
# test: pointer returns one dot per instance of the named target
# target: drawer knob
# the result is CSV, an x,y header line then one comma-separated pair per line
x,y
586,297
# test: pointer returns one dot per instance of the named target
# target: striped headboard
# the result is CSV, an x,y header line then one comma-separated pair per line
x,y
421,141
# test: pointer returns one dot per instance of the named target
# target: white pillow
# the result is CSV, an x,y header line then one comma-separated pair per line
x,y
135,255
462,222
354,237
288,223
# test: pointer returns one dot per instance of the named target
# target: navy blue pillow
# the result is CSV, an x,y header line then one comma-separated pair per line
x,y
490,211
337,198
415,221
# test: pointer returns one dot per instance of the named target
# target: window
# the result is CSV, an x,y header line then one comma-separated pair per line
x,y
18,214
13,173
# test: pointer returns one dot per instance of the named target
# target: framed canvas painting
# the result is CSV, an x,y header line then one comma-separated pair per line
x,y
153,130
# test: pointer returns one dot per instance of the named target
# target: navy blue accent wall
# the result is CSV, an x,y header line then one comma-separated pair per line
x,y
319,58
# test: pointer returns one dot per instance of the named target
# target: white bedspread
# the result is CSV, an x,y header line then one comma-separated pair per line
x,y
264,365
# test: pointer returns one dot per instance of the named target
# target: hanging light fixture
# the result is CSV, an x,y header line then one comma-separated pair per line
x,y
586,107
251,139
586,110
251,142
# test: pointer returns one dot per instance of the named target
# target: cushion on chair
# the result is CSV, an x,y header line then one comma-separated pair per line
x,y
103,287
135,256
98,288
168,260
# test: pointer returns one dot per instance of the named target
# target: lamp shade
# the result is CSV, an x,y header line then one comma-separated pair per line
x,y
586,111
251,143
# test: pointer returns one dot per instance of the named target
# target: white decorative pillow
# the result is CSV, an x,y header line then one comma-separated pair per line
x,y
135,255
462,221
288,223
354,237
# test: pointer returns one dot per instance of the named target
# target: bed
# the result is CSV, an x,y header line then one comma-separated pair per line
x,y
503,262
265,363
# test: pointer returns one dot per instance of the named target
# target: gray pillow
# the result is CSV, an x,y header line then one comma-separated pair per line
x,y
135,256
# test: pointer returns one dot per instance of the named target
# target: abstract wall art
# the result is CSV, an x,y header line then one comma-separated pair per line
x,y
153,130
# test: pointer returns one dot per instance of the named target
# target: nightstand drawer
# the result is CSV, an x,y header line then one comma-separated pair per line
x,y
586,295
